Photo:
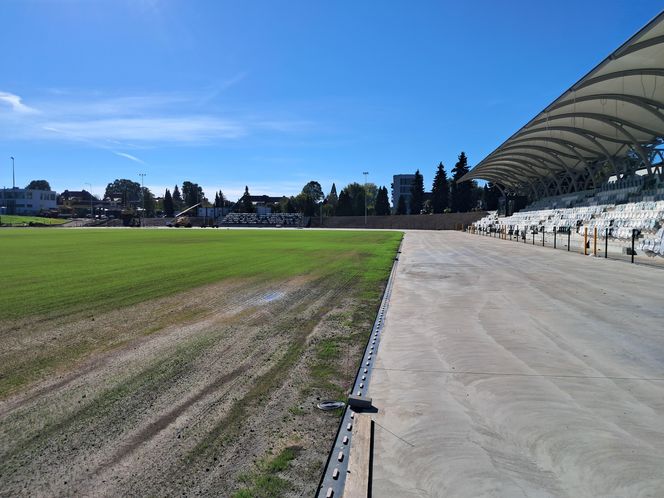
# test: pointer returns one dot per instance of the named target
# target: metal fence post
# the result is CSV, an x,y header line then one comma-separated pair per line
x,y
554,237
543,232
633,237
595,242
569,236
533,237
606,243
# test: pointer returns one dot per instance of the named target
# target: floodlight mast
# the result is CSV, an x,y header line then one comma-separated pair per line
x,y
142,175
365,173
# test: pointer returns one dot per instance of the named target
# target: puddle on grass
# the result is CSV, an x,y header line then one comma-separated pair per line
x,y
272,296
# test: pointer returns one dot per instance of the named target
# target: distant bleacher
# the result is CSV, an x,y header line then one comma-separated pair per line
x,y
253,219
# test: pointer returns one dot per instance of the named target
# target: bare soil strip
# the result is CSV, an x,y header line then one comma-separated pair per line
x,y
180,395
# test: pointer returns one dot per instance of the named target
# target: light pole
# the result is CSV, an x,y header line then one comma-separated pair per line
x,y
365,173
92,214
140,218
13,177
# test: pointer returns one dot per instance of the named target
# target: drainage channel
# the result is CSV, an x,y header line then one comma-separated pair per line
x,y
334,476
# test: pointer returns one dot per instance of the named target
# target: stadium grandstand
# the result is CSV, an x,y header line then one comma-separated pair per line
x,y
592,161
263,220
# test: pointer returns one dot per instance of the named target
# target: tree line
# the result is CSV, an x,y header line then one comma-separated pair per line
x,y
447,195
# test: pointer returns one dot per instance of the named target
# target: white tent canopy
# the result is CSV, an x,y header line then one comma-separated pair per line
x,y
608,123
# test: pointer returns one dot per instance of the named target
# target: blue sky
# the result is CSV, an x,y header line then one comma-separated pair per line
x,y
275,93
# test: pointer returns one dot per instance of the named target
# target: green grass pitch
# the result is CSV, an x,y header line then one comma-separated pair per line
x,y
59,272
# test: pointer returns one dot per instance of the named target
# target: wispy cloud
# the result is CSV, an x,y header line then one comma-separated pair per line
x,y
129,156
157,129
16,103
135,121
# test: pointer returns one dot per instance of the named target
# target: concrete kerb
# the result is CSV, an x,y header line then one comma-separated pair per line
x,y
333,480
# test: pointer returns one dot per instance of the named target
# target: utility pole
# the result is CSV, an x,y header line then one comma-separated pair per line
x,y
365,173
142,175
13,176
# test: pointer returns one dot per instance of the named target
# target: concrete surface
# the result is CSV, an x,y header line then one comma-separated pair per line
x,y
512,370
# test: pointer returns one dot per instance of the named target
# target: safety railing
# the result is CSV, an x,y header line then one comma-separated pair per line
x,y
583,240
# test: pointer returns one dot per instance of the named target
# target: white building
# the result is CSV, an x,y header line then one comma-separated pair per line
x,y
26,201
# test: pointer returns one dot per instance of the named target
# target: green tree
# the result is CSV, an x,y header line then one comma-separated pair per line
x,y
356,194
401,205
371,191
169,208
491,195
382,202
290,206
306,204
417,191
427,207
127,190
38,185
192,193
148,202
462,196
358,202
440,192
344,206
311,194
313,190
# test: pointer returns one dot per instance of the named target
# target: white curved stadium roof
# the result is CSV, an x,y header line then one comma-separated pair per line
x,y
609,119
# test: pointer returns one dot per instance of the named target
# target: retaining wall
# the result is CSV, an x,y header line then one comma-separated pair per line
x,y
448,221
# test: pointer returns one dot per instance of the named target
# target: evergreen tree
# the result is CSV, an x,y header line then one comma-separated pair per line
x,y
177,199
382,202
440,191
245,203
401,205
462,197
344,206
169,209
417,191
333,198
